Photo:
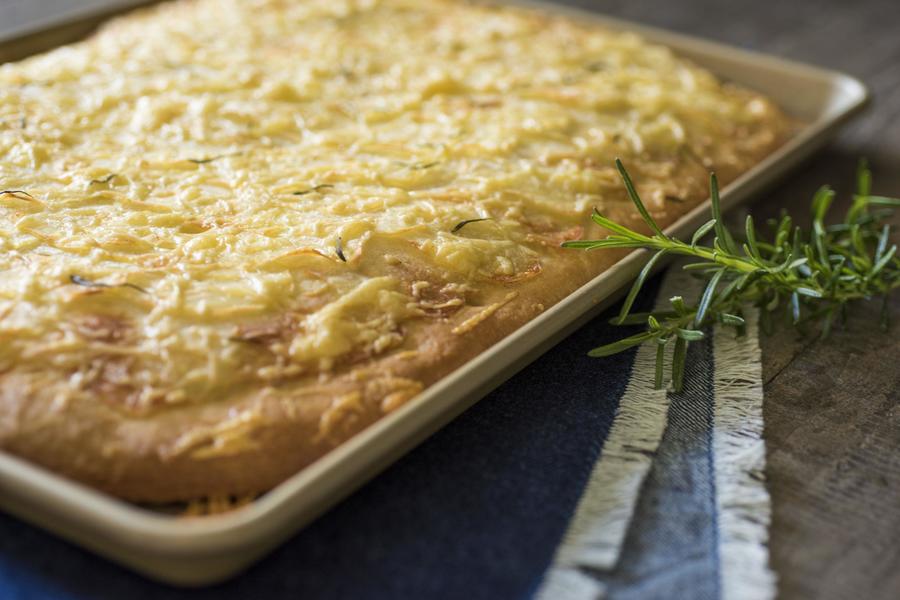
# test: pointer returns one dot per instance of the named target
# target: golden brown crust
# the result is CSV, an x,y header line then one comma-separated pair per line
x,y
259,433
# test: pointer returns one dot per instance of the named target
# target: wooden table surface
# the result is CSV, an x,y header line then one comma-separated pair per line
x,y
832,408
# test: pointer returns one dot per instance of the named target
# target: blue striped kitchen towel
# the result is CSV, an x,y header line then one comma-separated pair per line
x,y
573,480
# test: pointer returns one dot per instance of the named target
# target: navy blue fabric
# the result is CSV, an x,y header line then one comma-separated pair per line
x,y
671,549
475,512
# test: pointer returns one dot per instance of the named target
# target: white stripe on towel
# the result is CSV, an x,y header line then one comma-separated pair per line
x,y
597,530
742,501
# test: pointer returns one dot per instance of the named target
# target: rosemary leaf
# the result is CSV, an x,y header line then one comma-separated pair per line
x,y
632,193
462,224
315,188
16,193
638,283
339,249
84,282
103,180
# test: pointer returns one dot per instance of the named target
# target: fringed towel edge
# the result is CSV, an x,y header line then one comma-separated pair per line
x,y
739,450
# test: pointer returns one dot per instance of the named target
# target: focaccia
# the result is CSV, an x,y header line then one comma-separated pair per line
x,y
234,233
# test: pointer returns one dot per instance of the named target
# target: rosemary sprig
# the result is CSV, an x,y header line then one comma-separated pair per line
x,y
815,274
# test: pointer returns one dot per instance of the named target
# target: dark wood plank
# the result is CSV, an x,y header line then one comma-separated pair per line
x,y
833,428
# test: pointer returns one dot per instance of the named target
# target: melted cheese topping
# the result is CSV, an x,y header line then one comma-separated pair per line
x,y
231,160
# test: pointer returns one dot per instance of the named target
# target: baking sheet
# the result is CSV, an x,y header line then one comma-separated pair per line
x,y
198,551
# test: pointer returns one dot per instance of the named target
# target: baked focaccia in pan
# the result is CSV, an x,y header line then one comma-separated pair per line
x,y
234,233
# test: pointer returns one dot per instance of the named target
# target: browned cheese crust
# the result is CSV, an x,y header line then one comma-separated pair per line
x,y
233,248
